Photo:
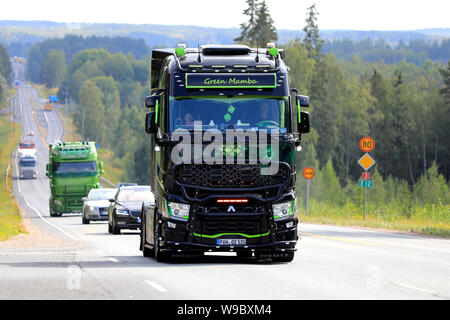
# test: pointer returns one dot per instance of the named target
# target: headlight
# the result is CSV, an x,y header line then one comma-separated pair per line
x,y
58,203
283,210
178,210
122,212
91,208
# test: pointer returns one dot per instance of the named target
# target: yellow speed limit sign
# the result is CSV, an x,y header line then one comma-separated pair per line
x,y
366,144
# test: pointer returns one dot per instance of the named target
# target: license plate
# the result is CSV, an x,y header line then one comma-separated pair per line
x,y
231,242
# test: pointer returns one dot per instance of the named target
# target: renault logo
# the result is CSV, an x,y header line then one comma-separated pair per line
x,y
231,209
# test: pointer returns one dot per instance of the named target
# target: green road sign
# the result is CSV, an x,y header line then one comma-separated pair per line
x,y
365,183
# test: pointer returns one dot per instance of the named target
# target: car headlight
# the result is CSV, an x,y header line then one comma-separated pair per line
x,y
91,208
122,212
283,210
178,210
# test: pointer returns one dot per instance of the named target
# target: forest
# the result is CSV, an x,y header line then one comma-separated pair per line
x,y
400,97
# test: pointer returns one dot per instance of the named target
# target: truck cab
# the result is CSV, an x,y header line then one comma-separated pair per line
x,y
73,170
224,126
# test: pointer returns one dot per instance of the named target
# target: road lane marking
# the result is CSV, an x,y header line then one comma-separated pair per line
x,y
113,260
37,211
156,286
39,133
371,244
416,288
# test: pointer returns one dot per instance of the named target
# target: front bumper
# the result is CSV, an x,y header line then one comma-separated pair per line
x,y
177,236
127,222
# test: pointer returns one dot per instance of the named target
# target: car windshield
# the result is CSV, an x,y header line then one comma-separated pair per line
x,y
27,145
102,194
135,194
229,113
75,168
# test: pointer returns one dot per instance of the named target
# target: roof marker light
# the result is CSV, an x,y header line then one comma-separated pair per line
x,y
273,52
180,52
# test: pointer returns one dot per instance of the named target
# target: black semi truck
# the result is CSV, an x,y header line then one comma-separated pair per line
x,y
224,127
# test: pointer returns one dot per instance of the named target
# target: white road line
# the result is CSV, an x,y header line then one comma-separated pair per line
x,y
37,211
415,288
156,286
113,260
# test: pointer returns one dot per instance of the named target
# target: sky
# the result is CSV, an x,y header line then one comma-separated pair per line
x,y
287,14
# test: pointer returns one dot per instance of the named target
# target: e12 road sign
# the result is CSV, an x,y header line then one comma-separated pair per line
x,y
365,183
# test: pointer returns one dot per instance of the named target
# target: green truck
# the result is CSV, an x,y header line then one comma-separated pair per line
x,y
73,170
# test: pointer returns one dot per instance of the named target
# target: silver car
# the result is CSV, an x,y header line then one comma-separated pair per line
x,y
95,205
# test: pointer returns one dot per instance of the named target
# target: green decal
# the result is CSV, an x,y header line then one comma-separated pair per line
x,y
227,117
231,109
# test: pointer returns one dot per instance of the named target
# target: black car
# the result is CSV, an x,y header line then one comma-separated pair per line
x,y
125,209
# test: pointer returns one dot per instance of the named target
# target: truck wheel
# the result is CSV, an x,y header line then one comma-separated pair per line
x,y
159,255
109,228
145,251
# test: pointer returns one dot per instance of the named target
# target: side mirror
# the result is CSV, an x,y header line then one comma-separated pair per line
x,y
151,127
111,200
303,101
153,100
100,164
303,125
84,199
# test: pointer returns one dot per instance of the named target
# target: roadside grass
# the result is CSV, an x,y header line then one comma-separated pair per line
x,y
10,219
44,91
113,169
432,220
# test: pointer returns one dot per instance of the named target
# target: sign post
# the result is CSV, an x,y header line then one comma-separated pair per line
x,y
366,144
308,173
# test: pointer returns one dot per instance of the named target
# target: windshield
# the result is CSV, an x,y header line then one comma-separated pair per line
x,y
77,168
102,194
27,163
139,194
229,113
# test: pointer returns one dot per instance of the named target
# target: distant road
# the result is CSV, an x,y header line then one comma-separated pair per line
x,y
63,259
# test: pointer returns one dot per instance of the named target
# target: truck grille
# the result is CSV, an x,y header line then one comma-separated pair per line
x,y
215,225
229,175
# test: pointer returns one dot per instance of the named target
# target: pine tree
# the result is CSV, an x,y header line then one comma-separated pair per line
x,y
265,30
248,30
312,40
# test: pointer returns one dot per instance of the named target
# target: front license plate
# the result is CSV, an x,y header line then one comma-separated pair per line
x,y
231,242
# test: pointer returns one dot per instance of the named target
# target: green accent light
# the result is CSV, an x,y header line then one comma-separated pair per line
x,y
227,117
273,52
232,234
231,109
180,52
298,111
156,111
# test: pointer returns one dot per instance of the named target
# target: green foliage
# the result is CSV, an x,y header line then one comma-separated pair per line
x,y
312,41
260,29
54,68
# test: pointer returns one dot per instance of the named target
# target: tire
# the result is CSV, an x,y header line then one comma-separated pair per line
x,y
85,221
115,229
109,228
52,213
159,255
146,252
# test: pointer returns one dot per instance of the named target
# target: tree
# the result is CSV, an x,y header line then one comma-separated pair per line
x,y
54,68
312,40
265,30
248,30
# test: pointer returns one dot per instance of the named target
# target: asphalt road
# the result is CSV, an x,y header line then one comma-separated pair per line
x,y
69,260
